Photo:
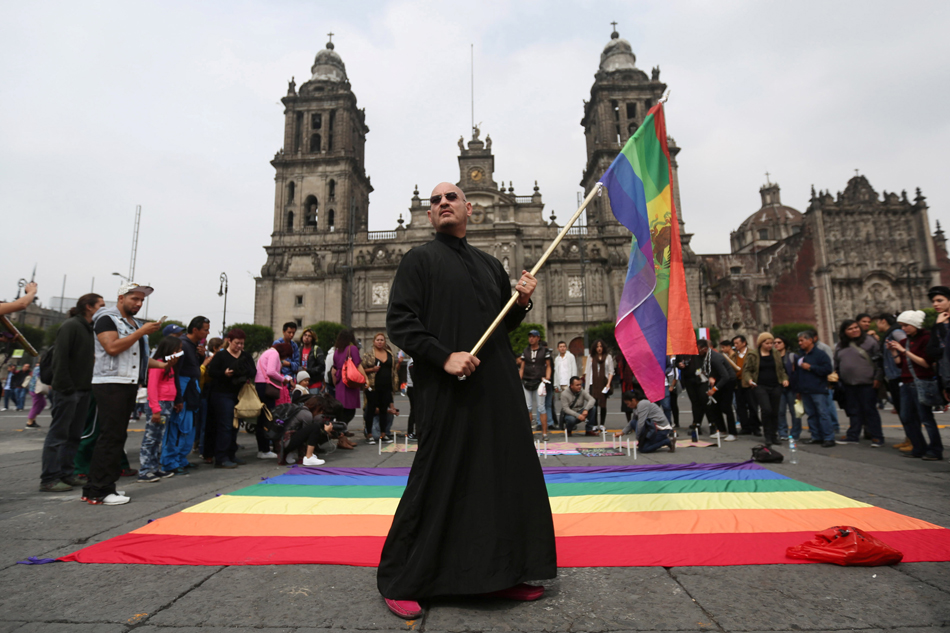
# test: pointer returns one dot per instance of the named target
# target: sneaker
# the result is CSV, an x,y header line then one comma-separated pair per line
x,y
165,474
267,455
239,462
148,478
411,437
290,460
729,438
544,438
828,444
877,444
55,486
370,440
845,440
128,472
3,409
931,458
387,439
181,470
313,461
226,465
76,480
715,436
32,425
115,499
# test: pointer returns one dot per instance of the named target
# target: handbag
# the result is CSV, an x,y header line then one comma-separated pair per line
x,y
249,404
271,390
928,391
352,376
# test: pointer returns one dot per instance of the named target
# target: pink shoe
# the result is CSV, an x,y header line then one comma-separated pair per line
x,y
523,592
405,609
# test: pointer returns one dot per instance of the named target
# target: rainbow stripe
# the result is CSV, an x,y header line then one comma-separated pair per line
x,y
653,317
693,514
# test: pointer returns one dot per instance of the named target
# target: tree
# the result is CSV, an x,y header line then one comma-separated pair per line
x,y
34,335
257,337
519,335
605,332
51,333
789,332
155,339
326,333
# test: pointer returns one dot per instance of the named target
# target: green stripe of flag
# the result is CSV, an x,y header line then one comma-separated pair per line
x,y
554,490
645,155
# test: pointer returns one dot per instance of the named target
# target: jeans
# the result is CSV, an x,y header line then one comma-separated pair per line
x,y
768,399
201,422
569,422
20,398
65,431
116,401
9,393
787,403
745,410
819,421
861,406
653,441
377,401
179,434
536,405
151,452
220,433
667,409
913,414
833,411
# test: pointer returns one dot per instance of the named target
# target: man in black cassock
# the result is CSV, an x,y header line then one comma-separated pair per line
x,y
475,517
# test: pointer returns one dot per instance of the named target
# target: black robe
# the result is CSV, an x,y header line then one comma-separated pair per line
x,y
475,516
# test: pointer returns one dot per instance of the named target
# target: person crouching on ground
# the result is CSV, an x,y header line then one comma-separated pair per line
x,y
161,401
653,430
308,427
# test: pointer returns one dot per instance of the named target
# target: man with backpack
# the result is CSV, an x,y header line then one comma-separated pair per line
x,y
67,366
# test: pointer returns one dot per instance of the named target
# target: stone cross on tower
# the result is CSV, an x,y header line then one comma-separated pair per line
x,y
330,35
767,181
614,24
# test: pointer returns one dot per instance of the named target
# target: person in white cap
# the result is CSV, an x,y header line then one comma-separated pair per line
x,y
121,367
917,368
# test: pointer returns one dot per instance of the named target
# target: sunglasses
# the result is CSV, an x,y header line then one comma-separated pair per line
x,y
451,196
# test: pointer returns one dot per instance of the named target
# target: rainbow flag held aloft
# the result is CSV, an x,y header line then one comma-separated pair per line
x,y
653,317
609,516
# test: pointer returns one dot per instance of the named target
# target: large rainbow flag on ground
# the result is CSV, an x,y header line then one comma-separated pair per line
x,y
611,516
653,318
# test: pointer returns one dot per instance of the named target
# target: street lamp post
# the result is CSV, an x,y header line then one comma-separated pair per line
x,y
223,292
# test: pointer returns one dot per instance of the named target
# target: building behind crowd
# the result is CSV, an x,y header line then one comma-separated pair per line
x,y
849,253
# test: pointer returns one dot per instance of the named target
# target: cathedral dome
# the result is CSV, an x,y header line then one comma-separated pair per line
x,y
328,66
772,222
617,55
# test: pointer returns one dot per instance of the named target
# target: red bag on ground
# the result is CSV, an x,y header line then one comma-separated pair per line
x,y
846,545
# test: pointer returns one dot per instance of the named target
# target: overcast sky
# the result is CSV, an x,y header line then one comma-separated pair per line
x,y
176,106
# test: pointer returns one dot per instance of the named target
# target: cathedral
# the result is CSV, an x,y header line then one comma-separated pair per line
x,y
854,252
324,264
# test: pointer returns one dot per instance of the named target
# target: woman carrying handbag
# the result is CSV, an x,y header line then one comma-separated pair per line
x,y
346,358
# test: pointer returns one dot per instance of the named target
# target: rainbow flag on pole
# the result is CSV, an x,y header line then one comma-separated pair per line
x,y
653,318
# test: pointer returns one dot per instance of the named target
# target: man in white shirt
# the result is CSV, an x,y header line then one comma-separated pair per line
x,y
564,367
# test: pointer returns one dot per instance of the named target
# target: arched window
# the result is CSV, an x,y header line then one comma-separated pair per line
x,y
763,234
314,143
290,222
331,192
290,192
311,210
331,216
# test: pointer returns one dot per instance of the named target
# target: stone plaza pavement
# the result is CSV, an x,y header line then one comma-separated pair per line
x,y
72,597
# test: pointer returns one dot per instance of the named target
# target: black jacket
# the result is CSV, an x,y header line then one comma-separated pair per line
x,y
74,356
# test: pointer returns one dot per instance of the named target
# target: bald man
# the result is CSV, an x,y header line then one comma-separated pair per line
x,y
475,517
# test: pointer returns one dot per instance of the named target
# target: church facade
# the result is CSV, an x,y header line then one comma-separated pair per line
x,y
324,264
858,251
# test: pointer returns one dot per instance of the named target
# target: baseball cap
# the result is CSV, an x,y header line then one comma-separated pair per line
x,y
534,333
171,329
131,286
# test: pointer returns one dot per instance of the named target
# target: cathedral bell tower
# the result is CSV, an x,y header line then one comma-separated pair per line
x,y
620,98
321,181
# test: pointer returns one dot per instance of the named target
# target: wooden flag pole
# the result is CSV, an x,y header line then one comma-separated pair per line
x,y
534,271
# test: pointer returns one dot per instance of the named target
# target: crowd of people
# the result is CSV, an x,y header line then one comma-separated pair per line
x,y
303,398
196,392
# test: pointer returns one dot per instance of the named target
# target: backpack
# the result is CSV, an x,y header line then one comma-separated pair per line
x,y
46,366
766,455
